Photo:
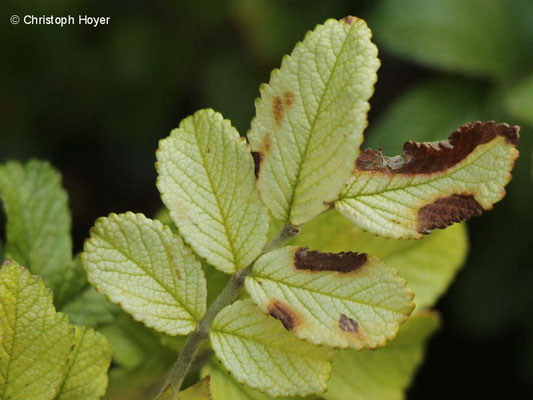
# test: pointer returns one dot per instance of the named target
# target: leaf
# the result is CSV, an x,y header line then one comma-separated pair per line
x,y
260,353
428,264
426,113
38,221
90,308
310,119
432,185
338,300
477,37
146,269
386,372
86,377
206,181
224,386
35,341
199,391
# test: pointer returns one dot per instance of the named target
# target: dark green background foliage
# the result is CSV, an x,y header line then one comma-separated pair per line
x,y
95,101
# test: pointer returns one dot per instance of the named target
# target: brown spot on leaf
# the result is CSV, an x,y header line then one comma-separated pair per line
x,y
447,210
430,157
257,163
340,262
277,111
282,312
347,324
349,19
288,98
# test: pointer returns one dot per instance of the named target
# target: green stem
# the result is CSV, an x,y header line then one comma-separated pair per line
x,y
226,297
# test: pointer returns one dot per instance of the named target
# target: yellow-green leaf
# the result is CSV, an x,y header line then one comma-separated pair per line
x,y
146,269
86,376
35,341
432,185
260,353
310,119
38,221
384,373
206,180
339,300
428,264
198,391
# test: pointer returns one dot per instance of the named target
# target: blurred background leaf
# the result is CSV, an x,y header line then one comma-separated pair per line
x,y
95,101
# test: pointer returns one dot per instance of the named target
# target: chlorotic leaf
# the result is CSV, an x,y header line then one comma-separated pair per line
x,y
310,119
224,386
386,372
260,353
35,341
86,377
428,264
141,265
38,220
432,185
198,391
338,300
206,180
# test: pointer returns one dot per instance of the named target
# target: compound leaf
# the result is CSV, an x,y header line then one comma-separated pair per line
x,y
206,180
339,300
432,185
310,119
38,221
35,341
386,372
86,376
146,269
428,264
260,353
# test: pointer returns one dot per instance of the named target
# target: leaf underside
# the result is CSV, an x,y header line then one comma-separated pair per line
x,y
146,269
338,300
310,119
206,181
260,353
432,185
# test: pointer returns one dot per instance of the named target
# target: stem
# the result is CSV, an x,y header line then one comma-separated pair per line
x,y
231,291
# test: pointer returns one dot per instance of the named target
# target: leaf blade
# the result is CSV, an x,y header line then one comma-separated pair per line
x,y
142,266
338,300
206,181
86,376
432,185
310,118
35,341
278,363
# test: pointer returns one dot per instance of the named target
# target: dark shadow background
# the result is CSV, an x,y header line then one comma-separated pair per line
x,y
95,101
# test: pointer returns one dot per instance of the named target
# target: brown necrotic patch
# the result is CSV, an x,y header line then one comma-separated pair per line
x,y
447,210
349,19
348,324
430,157
316,261
277,111
257,162
282,312
288,98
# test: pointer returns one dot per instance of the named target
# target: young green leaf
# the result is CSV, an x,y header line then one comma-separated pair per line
x,y
432,185
339,300
35,341
206,180
38,221
386,372
260,353
310,119
428,264
146,269
90,308
86,375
